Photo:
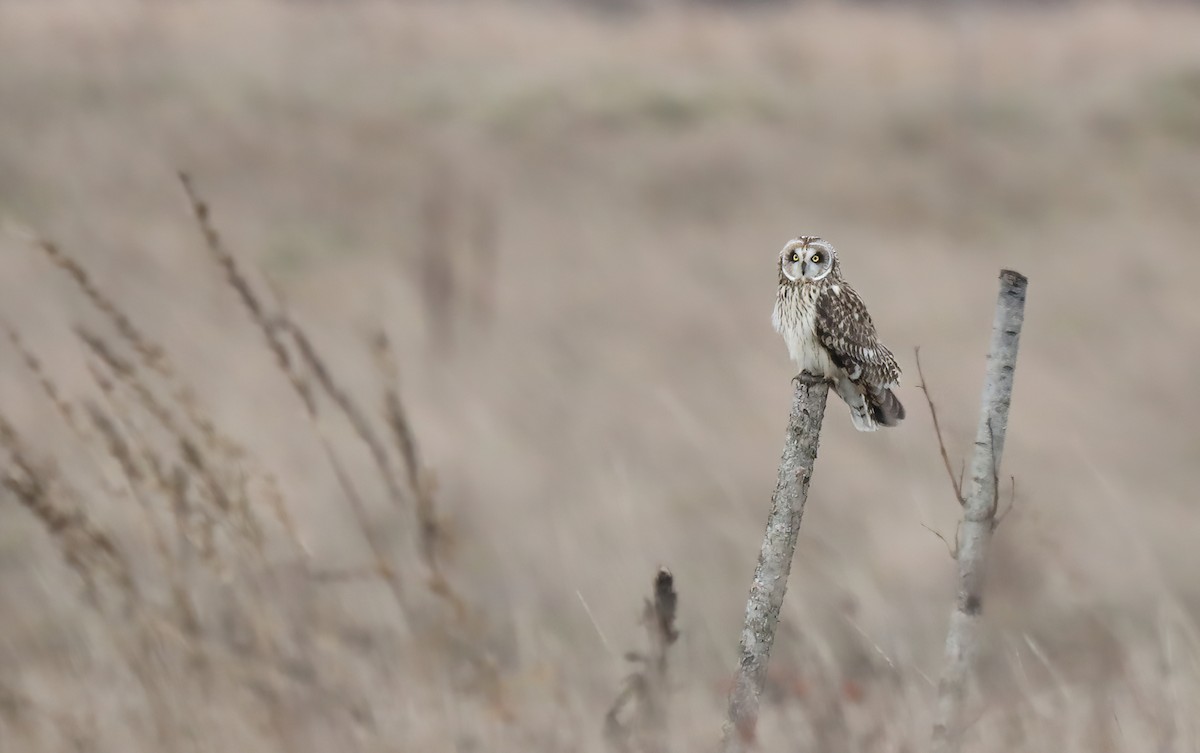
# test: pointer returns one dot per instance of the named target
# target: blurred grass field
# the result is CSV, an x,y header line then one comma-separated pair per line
x,y
566,224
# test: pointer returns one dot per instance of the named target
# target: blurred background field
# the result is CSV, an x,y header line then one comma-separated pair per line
x,y
565,220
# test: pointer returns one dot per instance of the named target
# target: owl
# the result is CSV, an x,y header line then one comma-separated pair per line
x,y
830,335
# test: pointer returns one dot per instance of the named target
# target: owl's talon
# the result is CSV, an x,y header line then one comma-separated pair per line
x,y
806,379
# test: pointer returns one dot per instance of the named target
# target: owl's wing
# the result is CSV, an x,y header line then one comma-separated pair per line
x,y
845,329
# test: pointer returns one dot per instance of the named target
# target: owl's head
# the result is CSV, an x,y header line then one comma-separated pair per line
x,y
807,259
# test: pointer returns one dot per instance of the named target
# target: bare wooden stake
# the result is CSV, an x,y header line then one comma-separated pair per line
x,y
775,561
979,512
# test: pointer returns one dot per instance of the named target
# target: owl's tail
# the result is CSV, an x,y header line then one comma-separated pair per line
x,y
870,407
885,407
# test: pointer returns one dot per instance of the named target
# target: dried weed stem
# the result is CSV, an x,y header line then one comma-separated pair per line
x,y
647,687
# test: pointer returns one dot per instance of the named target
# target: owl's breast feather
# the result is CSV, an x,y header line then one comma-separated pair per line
x,y
795,319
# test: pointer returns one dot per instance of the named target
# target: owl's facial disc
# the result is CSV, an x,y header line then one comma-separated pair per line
x,y
806,260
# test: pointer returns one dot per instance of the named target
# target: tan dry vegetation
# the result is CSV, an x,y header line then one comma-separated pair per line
x,y
566,226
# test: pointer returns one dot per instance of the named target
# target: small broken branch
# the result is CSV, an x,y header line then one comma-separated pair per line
x,y
937,429
951,549
647,686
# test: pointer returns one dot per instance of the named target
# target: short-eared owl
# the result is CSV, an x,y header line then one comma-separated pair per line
x,y
830,335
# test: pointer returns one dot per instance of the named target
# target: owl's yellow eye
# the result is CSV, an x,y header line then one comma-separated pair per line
x,y
816,258
795,256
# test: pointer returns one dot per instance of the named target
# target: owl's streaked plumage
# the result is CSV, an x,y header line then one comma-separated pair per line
x,y
830,335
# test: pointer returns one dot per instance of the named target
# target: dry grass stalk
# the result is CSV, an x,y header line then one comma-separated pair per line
x,y
125,372
31,488
34,365
438,285
433,539
120,450
421,480
222,482
249,299
647,687
153,355
227,454
775,560
432,536
979,513
86,549
207,521
458,257
140,486
312,359
109,436
223,488
270,328
185,469
358,421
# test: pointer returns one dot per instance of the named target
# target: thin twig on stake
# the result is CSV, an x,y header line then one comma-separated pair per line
x,y
950,548
979,512
937,429
775,561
